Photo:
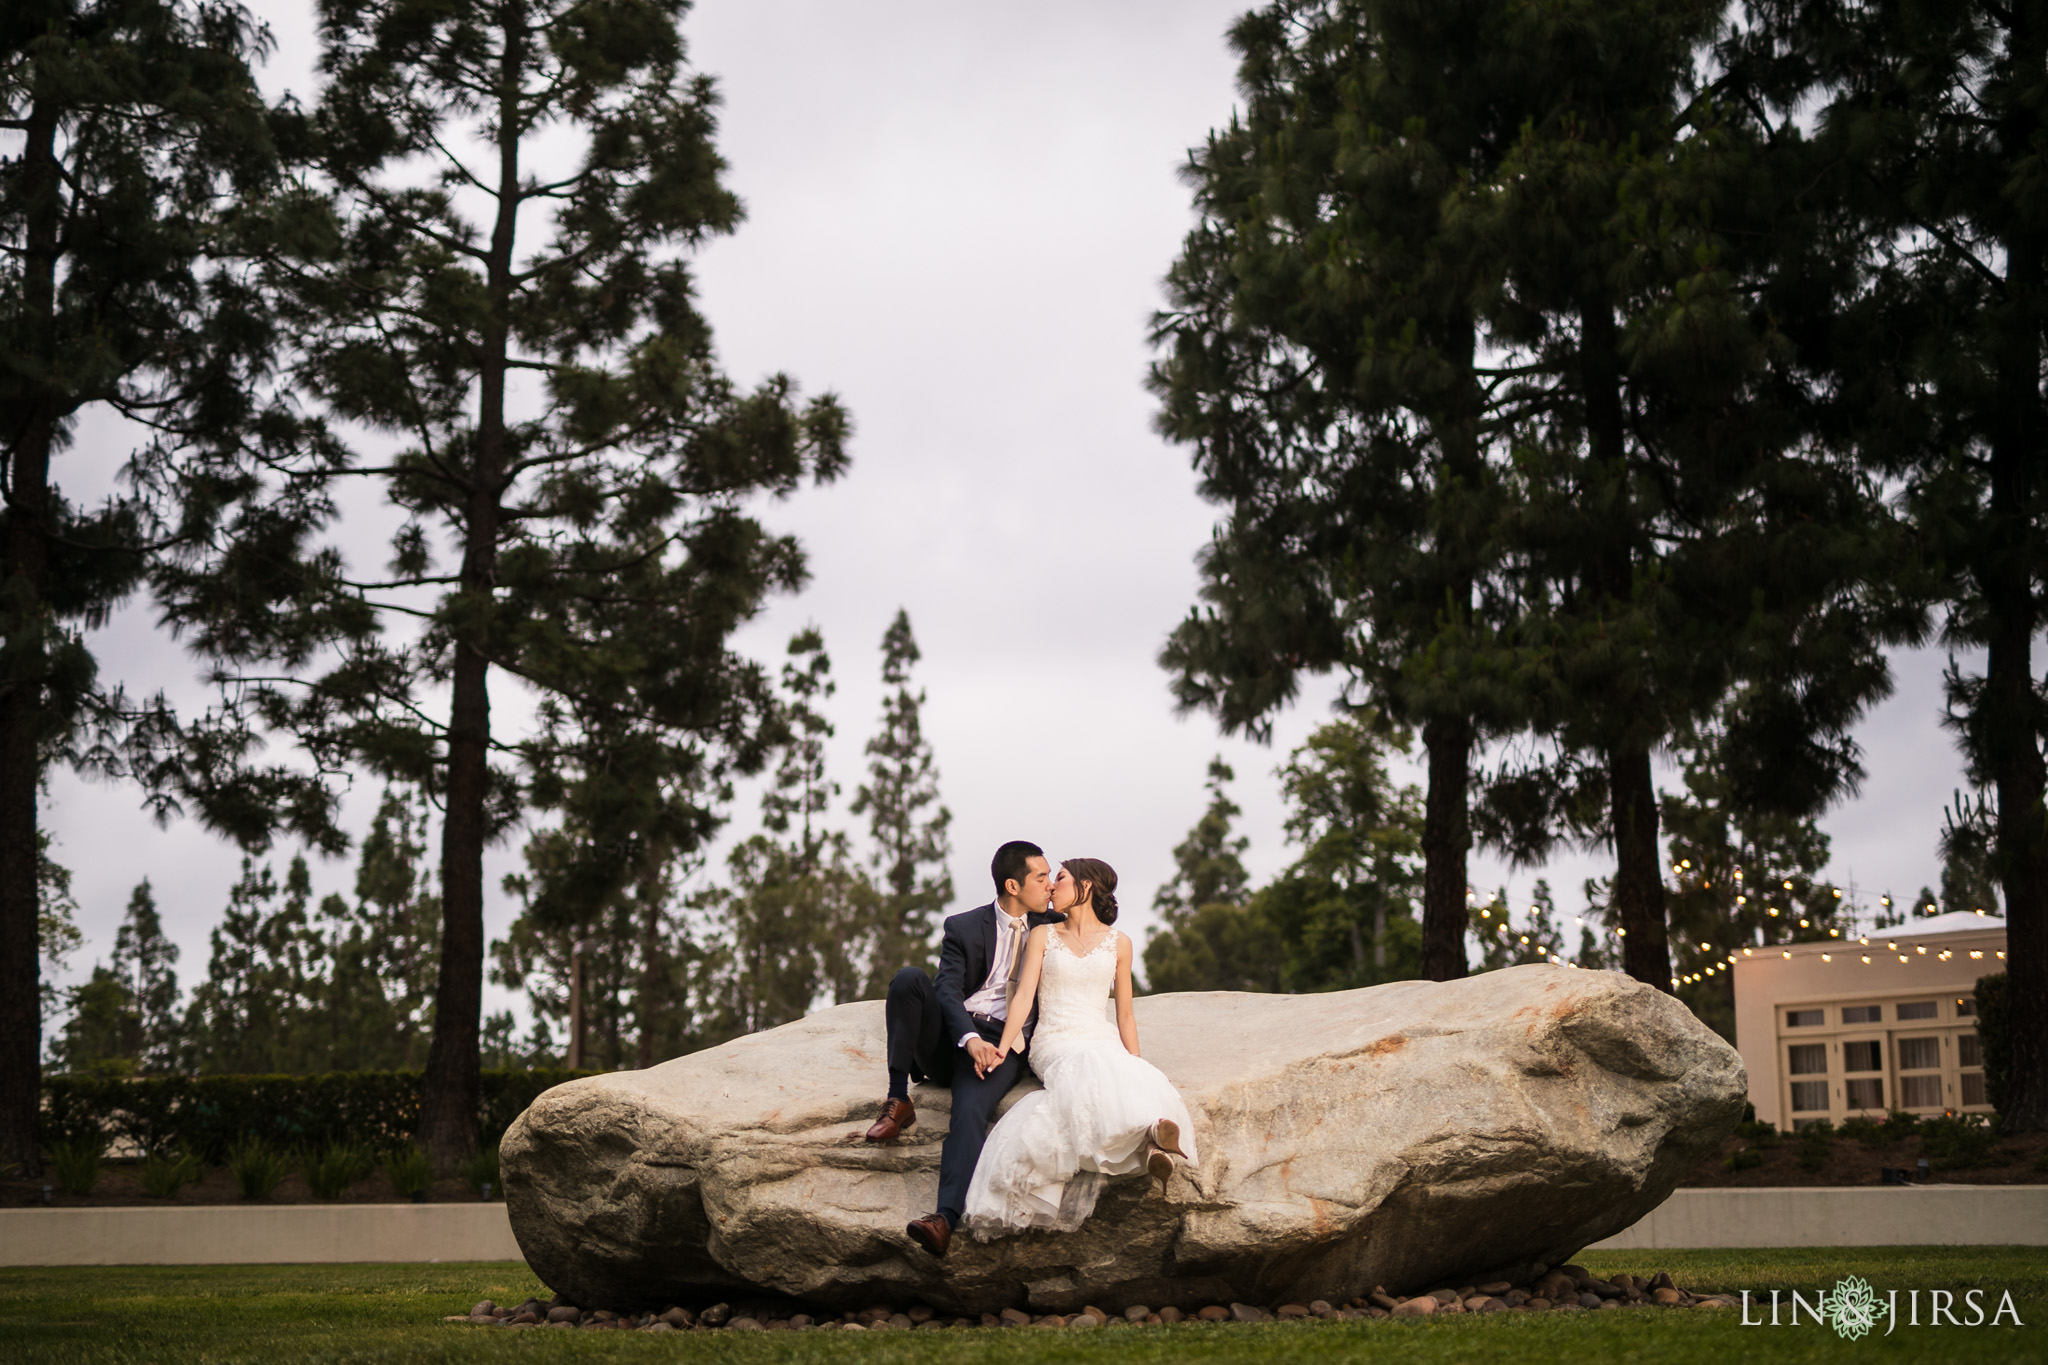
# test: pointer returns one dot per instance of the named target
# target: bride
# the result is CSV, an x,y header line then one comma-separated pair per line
x,y
1104,1111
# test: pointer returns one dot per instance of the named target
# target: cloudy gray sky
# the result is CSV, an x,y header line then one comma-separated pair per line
x,y
959,215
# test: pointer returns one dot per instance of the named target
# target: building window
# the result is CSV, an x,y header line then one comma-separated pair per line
x,y
1865,1056
1919,1054
1805,1018
1866,1094
1966,1008
1973,1088
1809,1059
1917,1009
1920,1092
1862,1014
1809,1097
1969,1052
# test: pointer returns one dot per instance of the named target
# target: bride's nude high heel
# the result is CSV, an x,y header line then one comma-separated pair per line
x,y
1165,1135
1160,1167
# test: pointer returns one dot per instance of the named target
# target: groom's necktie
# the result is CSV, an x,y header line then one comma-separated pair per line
x,y
1015,928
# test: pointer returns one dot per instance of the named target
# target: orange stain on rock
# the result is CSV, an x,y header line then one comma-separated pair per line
x,y
1393,1042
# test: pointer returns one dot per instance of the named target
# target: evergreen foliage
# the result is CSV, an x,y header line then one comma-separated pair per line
x,y
1740,878
1341,915
1929,122
210,1115
907,823
1322,359
511,334
142,962
135,139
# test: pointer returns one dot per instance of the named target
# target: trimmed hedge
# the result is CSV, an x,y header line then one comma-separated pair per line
x,y
1994,1014
207,1115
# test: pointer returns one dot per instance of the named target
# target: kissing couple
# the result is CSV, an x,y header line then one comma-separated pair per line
x,y
1023,981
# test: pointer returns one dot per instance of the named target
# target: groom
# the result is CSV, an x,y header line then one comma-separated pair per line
x,y
946,1031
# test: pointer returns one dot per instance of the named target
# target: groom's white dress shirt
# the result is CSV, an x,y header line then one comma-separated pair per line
x,y
993,997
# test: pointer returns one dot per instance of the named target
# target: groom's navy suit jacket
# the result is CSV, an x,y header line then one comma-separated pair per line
x,y
967,945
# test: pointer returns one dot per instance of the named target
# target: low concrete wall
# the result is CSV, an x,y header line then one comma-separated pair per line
x,y
1860,1216
274,1234
258,1234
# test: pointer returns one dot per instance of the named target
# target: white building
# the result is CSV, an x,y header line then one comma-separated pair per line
x,y
1862,1026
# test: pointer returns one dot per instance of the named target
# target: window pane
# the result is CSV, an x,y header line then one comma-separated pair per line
x,y
1973,1088
1969,1052
1809,1096
1917,1009
1919,1054
1866,1094
1809,1059
1862,1014
1919,1092
1804,1018
1966,1009
1863,1056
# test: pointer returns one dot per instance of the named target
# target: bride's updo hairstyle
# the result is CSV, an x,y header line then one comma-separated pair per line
x,y
1100,878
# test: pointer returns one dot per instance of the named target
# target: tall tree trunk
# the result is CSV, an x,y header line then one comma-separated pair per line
x,y
2011,734
1638,869
1631,789
30,436
1446,838
453,1087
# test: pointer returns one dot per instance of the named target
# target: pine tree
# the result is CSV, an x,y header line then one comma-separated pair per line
x,y
513,326
906,822
57,934
1929,119
104,1033
135,134
1346,907
378,1000
801,920
1688,541
142,961
1324,361
1740,879
1211,938
1208,864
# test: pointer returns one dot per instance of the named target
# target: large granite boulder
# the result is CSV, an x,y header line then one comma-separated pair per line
x,y
1406,1135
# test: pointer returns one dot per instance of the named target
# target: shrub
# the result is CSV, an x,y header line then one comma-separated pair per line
x,y
164,1173
1959,1142
1757,1132
1994,1014
1743,1159
335,1166
1816,1141
76,1163
257,1167
210,1115
409,1171
481,1171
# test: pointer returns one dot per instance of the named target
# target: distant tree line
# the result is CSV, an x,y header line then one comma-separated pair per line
x,y
1586,382
682,962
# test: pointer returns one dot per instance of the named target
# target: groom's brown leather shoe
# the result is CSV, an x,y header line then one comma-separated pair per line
x,y
931,1232
897,1116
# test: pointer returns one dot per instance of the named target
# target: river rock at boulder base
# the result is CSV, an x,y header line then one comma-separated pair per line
x,y
1405,1135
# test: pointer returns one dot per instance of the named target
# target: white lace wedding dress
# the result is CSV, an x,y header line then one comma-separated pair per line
x,y
1048,1158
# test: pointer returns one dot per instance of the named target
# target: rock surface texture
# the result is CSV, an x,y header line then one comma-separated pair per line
x,y
1401,1136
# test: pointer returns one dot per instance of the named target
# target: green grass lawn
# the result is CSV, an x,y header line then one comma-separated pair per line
x,y
281,1315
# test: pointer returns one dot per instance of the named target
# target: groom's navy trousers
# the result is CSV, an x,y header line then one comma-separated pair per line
x,y
918,1044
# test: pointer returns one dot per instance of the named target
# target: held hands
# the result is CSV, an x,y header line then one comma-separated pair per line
x,y
985,1055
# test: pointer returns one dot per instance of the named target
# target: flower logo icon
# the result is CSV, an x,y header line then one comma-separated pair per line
x,y
1852,1308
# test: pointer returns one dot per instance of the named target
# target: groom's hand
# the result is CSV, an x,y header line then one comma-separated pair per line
x,y
985,1055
